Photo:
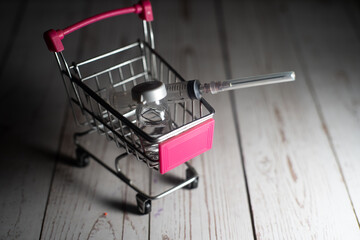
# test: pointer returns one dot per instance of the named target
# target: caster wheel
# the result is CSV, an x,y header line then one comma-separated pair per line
x,y
82,158
144,204
193,184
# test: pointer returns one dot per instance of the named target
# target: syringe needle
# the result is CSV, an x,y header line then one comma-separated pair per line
x,y
215,87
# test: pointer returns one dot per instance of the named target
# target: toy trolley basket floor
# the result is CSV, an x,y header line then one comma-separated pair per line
x,y
89,85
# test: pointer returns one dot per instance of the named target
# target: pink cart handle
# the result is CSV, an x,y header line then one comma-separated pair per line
x,y
53,37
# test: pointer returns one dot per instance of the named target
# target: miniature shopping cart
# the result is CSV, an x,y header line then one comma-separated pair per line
x,y
89,85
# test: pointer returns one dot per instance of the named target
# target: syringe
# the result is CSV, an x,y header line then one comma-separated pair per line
x,y
180,91
194,89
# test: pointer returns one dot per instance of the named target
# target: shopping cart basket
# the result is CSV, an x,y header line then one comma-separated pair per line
x,y
89,85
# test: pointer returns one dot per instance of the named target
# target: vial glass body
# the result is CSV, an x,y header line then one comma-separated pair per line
x,y
154,119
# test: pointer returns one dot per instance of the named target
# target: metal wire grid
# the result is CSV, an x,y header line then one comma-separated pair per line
x,y
120,70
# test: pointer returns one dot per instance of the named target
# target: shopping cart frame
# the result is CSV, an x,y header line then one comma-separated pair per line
x,y
101,116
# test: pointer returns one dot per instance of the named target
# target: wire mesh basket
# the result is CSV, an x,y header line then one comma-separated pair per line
x,y
89,88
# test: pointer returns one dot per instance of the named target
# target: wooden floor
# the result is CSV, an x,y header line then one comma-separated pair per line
x,y
285,162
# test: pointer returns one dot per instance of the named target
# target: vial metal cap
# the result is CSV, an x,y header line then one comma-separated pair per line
x,y
150,91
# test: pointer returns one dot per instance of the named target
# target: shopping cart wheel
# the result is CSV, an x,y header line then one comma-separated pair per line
x,y
189,175
143,203
82,157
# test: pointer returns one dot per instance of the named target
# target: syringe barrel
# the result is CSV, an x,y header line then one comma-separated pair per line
x,y
176,91
183,90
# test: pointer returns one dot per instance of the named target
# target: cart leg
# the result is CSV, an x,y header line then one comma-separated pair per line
x,y
82,157
143,203
190,174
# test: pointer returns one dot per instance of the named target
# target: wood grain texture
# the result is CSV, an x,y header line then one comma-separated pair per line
x,y
80,197
32,114
300,141
187,36
333,70
296,189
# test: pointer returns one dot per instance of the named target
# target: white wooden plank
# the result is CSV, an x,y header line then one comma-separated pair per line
x,y
186,36
296,189
80,197
332,60
76,209
32,114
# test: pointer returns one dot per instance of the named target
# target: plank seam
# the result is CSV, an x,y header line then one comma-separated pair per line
x,y
228,74
58,154
86,9
310,86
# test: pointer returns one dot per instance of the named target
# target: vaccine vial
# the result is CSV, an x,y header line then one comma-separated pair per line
x,y
152,113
